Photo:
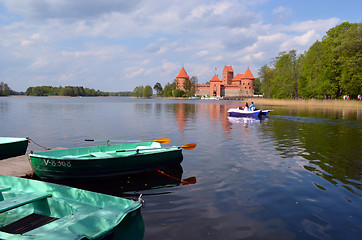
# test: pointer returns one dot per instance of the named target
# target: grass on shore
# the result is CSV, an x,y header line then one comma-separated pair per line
x,y
306,102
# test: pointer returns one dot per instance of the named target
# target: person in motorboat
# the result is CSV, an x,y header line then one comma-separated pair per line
x,y
252,106
246,108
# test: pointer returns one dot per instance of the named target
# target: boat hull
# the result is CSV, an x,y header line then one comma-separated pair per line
x,y
61,165
12,147
235,112
33,209
265,112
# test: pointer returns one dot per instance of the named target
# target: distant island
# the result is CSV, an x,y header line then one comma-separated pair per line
x,y
71,91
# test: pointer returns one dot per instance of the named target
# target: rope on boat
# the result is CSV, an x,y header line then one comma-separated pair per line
x,y
37,143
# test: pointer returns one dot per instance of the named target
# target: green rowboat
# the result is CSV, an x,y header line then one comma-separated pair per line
x,y
31,209
12,147
104,161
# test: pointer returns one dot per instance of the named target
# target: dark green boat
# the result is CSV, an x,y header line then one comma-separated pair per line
x,y
12,147
31,209
105,161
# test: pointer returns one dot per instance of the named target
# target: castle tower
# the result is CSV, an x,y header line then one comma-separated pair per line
x,y
247,83
227,75
215,86
181,78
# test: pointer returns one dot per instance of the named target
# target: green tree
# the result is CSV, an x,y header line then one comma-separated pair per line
x,y
167,91
158,89
257,85
178,93
347,49
147,91
138,91
287,75
4,89
317,72
266,74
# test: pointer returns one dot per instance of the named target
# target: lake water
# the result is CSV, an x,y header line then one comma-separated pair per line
x,y
294,175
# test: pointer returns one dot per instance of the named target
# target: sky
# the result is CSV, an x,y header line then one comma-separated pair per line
x,y
117,45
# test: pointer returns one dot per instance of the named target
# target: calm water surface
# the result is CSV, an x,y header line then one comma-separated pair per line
x,y
293,175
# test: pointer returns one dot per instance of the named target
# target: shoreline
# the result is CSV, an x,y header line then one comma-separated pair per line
x,y
339,103
335,103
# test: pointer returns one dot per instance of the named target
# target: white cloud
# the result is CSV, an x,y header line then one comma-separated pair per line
x,y
88,42
300,42
282,13
133,72
202,53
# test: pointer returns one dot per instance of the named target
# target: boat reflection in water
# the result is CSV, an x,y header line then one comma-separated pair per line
x,y
247,121
134,184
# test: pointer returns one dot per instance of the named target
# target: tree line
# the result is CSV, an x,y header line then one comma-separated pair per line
x,y
169,90
5,90
71,91
330,68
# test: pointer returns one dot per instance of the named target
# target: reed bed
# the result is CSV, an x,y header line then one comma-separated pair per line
x,y
338,103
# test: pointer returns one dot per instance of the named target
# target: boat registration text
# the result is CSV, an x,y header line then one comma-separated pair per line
x,y
57,163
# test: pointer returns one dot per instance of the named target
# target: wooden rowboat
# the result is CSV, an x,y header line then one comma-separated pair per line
x,y
12,147
104,161
31,209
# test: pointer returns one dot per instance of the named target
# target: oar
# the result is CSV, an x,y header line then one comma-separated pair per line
x,y
188,146
159,140
186,181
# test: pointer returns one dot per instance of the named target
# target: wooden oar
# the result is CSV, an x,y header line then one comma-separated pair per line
x,y
186,181
159,140
188,146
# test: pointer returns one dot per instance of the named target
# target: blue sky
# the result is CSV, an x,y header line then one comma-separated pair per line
x,y
117,45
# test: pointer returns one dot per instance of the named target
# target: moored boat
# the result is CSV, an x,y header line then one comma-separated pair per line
x,y
31,209
12,147
105,161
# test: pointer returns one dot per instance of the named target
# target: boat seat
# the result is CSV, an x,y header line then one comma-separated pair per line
x,y
145,147
4,188
100,154
21,200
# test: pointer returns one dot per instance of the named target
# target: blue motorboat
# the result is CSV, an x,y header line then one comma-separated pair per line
x,y
239,112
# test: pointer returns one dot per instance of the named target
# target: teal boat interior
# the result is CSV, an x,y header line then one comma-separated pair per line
x,y
103,151
31,209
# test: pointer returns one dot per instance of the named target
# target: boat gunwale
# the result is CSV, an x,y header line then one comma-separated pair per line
x,y
13,140
114,155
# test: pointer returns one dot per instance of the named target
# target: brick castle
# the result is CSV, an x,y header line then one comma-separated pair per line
x,y
228,86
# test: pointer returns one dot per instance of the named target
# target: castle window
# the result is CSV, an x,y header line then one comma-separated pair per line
x,y
248,83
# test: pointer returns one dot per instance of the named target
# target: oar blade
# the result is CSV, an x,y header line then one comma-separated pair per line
x,y
187,181
189,146
163,140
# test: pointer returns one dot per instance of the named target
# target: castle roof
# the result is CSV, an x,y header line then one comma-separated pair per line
x,y
182,74
229,68
248,74
238,77
215,78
